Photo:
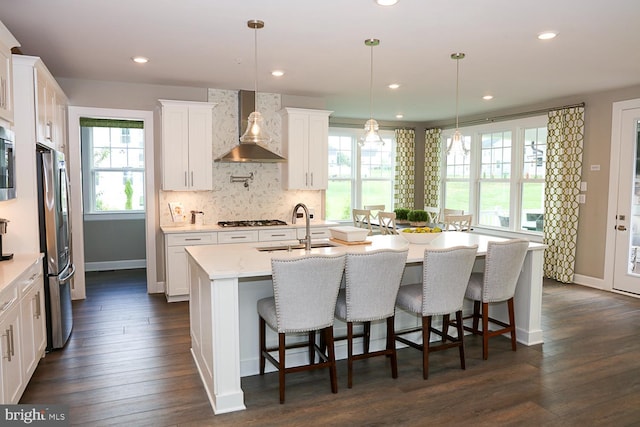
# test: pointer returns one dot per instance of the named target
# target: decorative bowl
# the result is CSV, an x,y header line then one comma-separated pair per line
x,y
413,235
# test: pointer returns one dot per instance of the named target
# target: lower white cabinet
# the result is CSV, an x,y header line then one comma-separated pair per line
x,y
22,331
176,284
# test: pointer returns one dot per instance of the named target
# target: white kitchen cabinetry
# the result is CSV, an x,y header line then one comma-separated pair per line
x,y
187,145
276,235
305,140
51,104
316,233
47,105
11,368
247,236
176,283
22,325
32,318
7,41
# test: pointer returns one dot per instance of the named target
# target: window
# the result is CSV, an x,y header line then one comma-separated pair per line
x,y
501,182
113,161
358,176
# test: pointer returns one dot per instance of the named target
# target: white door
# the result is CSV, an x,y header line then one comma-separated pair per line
x,y
626,136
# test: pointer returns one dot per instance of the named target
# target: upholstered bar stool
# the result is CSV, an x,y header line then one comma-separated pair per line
x,y
445,276
371,285
496,284
305,290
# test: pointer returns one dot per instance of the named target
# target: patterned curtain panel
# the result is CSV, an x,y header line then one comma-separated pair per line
x,y
562,186
403,194
432,151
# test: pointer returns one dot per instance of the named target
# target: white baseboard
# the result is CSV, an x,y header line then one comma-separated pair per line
x,y
115,265
591,282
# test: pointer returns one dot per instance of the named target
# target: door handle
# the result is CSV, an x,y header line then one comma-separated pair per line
x,y
621,228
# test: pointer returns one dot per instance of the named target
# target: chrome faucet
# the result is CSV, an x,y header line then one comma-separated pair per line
x,y
307,237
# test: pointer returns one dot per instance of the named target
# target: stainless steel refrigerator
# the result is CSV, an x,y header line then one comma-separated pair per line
x,y
55,243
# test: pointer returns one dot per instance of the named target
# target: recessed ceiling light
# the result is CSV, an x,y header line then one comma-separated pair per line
x,y
399,116
386,2
487,97
277,73
394,86
547,35
140,59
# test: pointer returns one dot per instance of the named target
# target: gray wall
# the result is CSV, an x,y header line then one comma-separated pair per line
x,y
114,240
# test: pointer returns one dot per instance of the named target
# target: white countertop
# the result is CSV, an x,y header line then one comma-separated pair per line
x,y
244,260
11,269
192,228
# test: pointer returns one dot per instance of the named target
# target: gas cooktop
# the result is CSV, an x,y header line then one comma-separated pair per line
x,y
251,223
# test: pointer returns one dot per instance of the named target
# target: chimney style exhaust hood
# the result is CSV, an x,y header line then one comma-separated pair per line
x,y
248,152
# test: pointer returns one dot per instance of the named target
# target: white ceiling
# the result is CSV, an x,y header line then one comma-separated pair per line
x,y
320,46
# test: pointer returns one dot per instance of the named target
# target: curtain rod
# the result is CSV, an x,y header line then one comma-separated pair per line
x,y
512,116
358,125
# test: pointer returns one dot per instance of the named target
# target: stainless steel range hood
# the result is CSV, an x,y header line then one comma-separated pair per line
x,y
248,152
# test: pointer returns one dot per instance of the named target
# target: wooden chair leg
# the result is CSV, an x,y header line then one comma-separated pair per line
x,y
262,326
485,330
445,327
281,364
366,339
349,354
476,316
512,323
460,330
312,347
426,334
328,332
391,345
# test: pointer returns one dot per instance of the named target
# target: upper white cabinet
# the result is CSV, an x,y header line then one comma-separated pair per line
x,y
7,41
305,140
47,107
187,145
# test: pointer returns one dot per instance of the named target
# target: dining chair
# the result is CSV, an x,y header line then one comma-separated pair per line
x,y
458,222
387,222
372,280
434,214
496,284
374,209
444,282
362,219
305,290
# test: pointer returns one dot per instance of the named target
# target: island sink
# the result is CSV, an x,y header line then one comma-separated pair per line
x,y
294,246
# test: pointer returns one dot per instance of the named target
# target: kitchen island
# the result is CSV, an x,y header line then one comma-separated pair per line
x,y
226,282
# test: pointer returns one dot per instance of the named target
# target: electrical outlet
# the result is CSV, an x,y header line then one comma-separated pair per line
x,y
311,213
582,198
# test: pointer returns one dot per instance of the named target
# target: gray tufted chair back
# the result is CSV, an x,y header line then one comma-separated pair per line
x,y
372,282
502,268
445,276
305,291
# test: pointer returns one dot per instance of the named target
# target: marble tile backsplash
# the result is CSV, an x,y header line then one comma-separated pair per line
x,y
264,198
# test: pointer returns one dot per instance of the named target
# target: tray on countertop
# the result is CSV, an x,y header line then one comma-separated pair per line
x,y
344,242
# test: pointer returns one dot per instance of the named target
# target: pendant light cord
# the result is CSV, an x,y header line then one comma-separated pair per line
x,y
457,88
255,64
371,86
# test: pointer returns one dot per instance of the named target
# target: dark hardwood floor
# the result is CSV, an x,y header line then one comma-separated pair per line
x,y
128,363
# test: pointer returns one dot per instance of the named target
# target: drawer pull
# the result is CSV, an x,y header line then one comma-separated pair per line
x,y
194,239
278,235
238,237
7,304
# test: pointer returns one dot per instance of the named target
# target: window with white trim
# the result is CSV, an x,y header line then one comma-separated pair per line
x,y
501,180
113,164
358,176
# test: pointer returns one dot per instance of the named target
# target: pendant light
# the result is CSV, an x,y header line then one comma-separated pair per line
x,y
457,141
371,127
255,132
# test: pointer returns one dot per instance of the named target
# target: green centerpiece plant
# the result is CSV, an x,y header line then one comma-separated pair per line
x,y
402,215
418,217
